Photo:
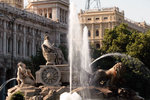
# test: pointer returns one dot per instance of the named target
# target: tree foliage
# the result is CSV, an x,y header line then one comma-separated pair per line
x,y
116,40
139,47
135,44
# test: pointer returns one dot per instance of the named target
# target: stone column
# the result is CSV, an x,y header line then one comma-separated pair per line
x,y
4,39
101,34
63,15
66,17
58,13
101,31
24,42
42,12
55,13
50,11
33,43
14,40
92,33
42,37
47,13
57,37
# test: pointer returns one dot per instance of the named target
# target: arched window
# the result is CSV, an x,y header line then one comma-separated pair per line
x,y
19,47
97,32
36,31
9,45
37,48
97,46
1,43
89,33
19,27
50,15
28,48
28,29
46,15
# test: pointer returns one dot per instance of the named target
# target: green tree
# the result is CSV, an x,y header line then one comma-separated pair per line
x,y
116,40
139,47
136,45
95,53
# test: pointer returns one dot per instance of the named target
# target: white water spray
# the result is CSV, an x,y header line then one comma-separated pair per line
x,y
110,54
69,96
74,40
85,58
5,83
79,58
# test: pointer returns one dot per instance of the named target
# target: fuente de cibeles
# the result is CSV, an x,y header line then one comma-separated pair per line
x,y
85,83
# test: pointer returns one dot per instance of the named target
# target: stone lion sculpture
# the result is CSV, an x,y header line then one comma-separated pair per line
x,y
24,75
52,54
108,77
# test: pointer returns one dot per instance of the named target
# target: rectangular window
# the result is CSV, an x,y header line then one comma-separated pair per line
x,y
50,15
89,33
89,18
97,18
105,17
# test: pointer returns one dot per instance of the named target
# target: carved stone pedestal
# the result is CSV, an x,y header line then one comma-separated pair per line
x,y
48,75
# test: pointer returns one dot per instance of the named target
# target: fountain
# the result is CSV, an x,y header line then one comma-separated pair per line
x,y
50,77
79,57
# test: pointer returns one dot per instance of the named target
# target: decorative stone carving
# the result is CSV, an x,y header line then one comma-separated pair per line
x,y
48,51
24,75
52,55
48,75
59,57
108,77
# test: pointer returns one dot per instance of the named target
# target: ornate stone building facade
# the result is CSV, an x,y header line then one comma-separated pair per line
x,y
21,34
107,18
56,10
15,3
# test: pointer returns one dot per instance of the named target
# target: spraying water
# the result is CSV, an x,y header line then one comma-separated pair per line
x,y
79,58
5,83
75,42
110,54
69,96
85,62
85,59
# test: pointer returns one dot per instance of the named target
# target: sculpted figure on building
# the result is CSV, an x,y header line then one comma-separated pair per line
x,y
24,75
52,55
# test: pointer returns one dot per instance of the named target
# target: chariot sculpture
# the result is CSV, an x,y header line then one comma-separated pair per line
x,y
49,74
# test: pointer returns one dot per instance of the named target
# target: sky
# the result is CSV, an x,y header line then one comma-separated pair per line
x,y
136,10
